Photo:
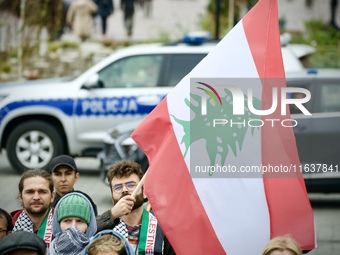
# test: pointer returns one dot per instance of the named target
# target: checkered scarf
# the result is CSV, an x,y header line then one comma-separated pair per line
x,y
121,228
69,242
23,223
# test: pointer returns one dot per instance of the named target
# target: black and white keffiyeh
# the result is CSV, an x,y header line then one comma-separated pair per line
x,y
23,223
121,228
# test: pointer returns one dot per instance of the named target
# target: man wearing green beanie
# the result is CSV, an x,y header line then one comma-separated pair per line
x,y
73,224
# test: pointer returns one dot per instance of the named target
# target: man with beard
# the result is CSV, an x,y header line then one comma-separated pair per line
x,y
129,215
36,195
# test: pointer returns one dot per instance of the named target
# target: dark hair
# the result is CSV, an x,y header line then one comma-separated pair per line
x,y
124,168
8,219
34,173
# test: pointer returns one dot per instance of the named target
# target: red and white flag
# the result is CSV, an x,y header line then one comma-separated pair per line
x,y
234,216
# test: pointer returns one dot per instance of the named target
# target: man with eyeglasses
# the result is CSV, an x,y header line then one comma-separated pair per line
x,y
129,215
6,225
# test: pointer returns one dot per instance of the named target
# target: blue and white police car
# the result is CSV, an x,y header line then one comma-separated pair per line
x,y
44,118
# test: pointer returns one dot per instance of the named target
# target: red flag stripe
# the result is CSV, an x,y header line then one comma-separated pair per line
x,y
285,214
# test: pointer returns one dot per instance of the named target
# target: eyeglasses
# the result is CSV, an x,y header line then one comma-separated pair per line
x,y
3,230
118,188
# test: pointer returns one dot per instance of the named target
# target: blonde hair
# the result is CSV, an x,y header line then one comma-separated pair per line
x,y
282,243
106,243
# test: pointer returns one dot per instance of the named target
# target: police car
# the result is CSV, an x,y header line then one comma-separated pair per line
x,y
317,135
44,118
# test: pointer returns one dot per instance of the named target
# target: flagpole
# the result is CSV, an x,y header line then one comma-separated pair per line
x,y
139,185
231,15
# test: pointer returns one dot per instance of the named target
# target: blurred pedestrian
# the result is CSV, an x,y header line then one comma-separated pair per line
x,y
108,242
282,245
105,9
334,6
22,243
6,225
74,222
128,7
80,17
64,25
36,195
146,5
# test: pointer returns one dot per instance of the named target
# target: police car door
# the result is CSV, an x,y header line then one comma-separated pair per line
x,y
126,89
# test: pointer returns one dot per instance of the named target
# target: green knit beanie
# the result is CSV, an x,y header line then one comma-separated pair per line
x,y
74,206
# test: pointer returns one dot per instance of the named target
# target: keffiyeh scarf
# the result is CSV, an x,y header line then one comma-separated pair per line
x,y
69,242
45,230
145,239
23,223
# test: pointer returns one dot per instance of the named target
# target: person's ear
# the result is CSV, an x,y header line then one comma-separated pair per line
x,y
52,196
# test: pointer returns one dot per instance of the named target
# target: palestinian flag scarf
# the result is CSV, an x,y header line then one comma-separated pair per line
x,y
45,230
151,236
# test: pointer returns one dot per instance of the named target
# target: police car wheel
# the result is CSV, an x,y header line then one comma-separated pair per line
x,y
33,144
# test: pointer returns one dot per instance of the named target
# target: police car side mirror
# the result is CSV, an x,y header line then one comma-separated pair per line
x,y
92,82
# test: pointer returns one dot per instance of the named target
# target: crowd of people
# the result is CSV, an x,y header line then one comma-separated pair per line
x,y
57,219
81,15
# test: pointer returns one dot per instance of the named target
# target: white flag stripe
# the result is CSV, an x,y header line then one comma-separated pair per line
x,y
231,58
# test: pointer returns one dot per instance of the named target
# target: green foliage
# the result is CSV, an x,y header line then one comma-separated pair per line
x,y
326,57
55,45
47,13
325,39
208,22
321,34
13,53
5,68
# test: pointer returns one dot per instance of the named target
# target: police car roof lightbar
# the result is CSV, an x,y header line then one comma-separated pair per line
x,y
197,37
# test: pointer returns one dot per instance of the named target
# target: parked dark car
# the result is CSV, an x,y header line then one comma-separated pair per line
x,y
318,136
